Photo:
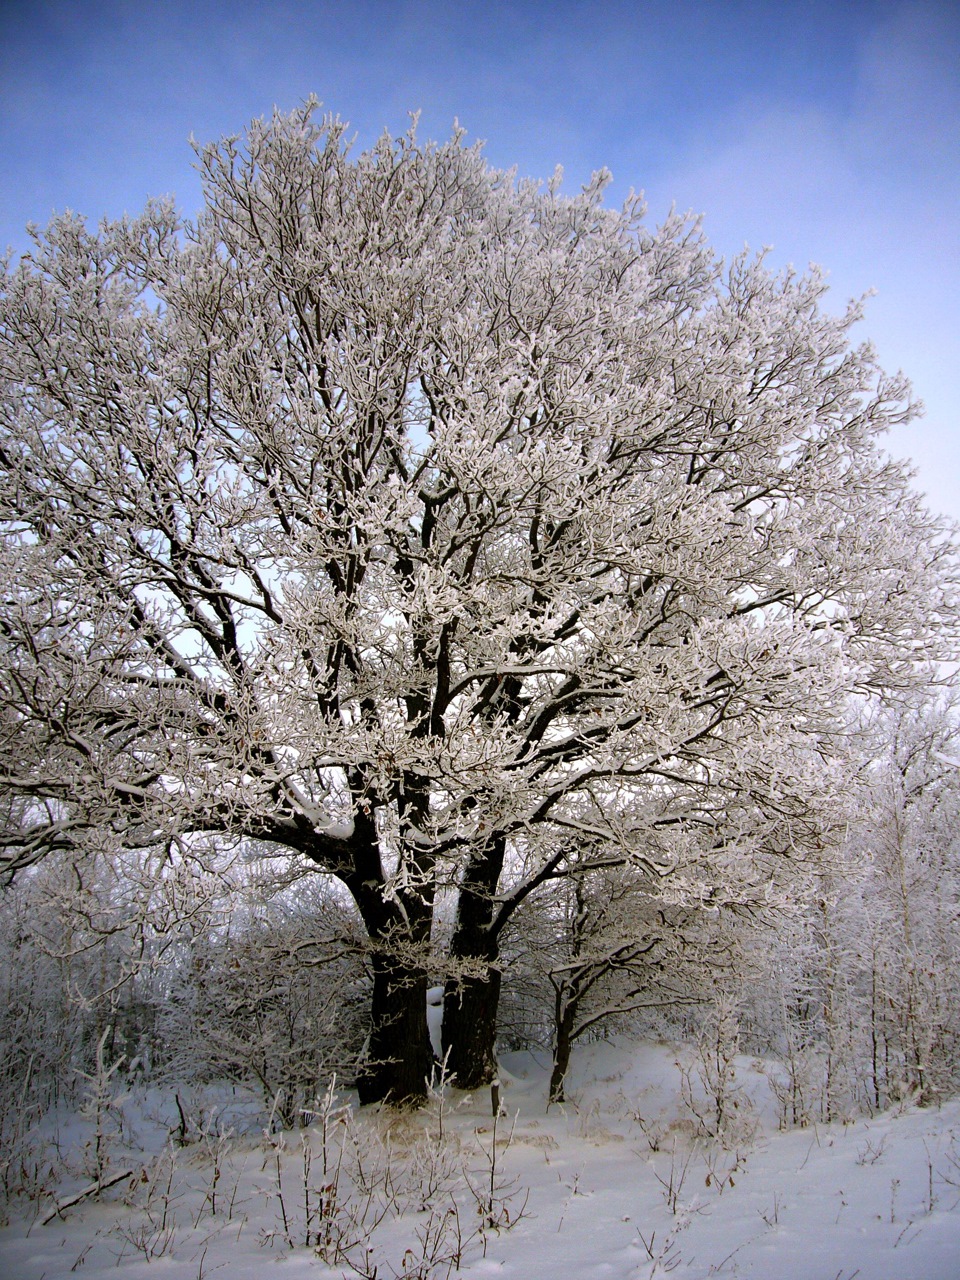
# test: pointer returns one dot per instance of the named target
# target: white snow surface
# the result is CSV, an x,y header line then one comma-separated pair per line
x,y
616,1185
435,1019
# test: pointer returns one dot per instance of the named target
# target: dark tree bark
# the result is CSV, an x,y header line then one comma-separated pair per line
x,y
470,1028
471,998
398,1059
565,1018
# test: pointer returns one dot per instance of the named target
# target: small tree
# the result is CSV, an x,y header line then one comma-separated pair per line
x,y
429,525
622,950
270,999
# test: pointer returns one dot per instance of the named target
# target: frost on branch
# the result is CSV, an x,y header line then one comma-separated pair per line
x,y
448,532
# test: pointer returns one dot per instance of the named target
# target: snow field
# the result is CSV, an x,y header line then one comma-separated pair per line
x,y
616,1183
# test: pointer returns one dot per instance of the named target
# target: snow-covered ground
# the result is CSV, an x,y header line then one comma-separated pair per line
x,y
616,1184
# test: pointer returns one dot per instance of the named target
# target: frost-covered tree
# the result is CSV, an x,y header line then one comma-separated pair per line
x,y
622,949
272,998
444,530
908,850
855,991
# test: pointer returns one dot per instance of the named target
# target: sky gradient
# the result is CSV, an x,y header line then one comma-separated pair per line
x,y
828,131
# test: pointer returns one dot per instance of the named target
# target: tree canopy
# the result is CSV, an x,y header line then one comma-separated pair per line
x,y
454,534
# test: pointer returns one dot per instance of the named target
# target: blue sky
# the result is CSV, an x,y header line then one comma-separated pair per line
x,y
830,131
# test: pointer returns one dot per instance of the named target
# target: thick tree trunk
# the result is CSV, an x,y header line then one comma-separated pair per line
x,y
398,1059
471,999
470,1028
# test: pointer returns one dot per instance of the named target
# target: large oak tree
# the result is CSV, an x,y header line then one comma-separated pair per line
x,y
452,534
